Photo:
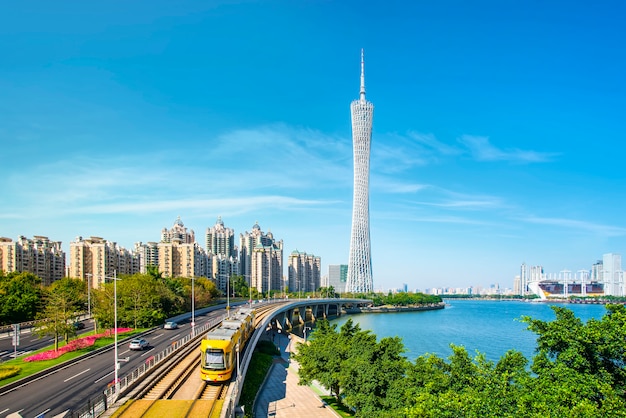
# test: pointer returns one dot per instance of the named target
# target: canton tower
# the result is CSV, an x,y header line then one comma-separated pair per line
x,y
360,261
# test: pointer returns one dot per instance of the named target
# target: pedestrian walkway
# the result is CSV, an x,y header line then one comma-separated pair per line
x,y
282,397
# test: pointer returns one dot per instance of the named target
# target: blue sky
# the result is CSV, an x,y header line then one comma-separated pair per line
x,y
498,128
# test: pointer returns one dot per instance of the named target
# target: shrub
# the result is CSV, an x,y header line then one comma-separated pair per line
x,y
8,371
74,345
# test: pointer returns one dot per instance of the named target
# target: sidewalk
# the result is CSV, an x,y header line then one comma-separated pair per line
x,y
282,397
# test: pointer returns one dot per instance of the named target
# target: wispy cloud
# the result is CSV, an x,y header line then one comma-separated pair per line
x,y
601,229
482,150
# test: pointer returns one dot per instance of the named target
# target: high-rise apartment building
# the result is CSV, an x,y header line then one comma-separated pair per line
x,y
220,244
612,274
247,242
337,277
261,260
40,256
220,240
147,254
178,259
267,268
179,255
95,260
360,278
178,233
304,272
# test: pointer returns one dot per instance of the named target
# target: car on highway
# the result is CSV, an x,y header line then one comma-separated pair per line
x,y
170,325
138,344
78,325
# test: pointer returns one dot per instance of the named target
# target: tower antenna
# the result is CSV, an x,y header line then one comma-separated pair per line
x,y
362,92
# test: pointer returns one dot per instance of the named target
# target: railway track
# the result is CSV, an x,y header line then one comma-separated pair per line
x,y
178,391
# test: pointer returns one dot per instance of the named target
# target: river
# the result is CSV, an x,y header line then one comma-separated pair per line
x,y
489,327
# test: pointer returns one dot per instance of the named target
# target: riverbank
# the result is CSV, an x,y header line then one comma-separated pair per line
x,y
389,309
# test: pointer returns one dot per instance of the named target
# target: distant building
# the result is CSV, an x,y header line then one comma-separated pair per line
x,y
612,274
95,260
304,272
40,256
179,255
248,241
267,268
148,255
338,276
177,259
178,233
220,245
517,286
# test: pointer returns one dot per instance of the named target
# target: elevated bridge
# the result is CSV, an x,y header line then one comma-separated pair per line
x,y
291,315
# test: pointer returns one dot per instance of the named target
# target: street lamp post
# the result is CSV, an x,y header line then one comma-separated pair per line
x,y
193,306
238,372
228,297
305,328
193,302
116,364
89,275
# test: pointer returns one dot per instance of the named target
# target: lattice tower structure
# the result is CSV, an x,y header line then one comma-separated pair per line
x,y
360,260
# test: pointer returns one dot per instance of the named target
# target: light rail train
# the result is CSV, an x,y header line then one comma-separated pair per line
x,y
219,346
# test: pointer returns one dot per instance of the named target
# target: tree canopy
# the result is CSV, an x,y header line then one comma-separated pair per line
x,y
579,370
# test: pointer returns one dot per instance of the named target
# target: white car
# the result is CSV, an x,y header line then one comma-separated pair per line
x,y
138,344
170,325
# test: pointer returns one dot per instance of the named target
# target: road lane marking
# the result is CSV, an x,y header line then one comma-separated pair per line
x,y
152,348
104,377
157,336
2,412
43,413
76,375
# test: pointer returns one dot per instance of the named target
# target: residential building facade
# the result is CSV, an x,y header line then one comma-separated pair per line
x,y
39,255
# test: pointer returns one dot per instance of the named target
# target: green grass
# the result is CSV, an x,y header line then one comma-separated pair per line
x,y
341,409
30,368
260,364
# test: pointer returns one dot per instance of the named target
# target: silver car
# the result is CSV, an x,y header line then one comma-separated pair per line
x,y
170,325
138,344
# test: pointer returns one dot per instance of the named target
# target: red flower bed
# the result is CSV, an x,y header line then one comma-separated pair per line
x,y
74,345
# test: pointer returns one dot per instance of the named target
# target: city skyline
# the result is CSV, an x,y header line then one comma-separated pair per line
x,y
498,134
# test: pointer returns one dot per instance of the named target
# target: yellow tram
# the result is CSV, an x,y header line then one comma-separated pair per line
x,y
219,346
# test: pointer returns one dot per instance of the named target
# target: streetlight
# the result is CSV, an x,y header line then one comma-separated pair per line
x,y
193,306
228,297
89,295
193,303
117,364
238,372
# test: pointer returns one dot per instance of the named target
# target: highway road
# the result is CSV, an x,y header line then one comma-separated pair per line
x,y
30,342
71,387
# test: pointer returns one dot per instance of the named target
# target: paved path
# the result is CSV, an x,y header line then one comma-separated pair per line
x,y
282,397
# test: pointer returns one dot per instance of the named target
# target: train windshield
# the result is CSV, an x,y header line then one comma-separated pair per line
x,y
214,359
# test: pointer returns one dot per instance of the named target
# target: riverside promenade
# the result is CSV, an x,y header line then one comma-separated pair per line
x,y
280,395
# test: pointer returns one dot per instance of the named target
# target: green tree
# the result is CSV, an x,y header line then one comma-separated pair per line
x,y
20,297
240,286
64,302
370,372
323,357
584,361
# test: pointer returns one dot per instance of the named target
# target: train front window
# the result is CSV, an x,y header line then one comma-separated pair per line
x,y
214,359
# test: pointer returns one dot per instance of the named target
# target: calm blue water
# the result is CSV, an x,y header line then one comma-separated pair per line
x,y
490,327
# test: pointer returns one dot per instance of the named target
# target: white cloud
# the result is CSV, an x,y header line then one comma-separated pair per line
x,y
596,228
482,150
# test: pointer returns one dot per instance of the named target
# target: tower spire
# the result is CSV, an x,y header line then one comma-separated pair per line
x,y
362,92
